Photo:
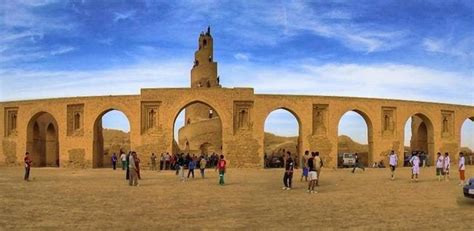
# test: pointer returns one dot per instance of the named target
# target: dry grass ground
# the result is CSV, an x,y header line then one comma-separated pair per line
x,y
67,199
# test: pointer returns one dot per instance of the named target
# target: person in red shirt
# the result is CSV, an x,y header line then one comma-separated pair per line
x,y
28,162
221,164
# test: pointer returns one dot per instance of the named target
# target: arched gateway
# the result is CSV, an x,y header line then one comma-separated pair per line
x,y
67,138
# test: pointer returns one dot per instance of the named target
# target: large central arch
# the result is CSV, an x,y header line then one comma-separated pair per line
x,y
99,158
422,136
370,142
42,140
297,149
202,136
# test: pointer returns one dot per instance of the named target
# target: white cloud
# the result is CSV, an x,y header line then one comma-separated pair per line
x,y
242,56
124,15
460,48
62,50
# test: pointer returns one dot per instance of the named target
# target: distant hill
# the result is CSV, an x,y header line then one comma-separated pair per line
x,y
115,140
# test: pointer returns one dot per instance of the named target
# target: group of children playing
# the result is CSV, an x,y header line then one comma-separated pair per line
x,y
443,164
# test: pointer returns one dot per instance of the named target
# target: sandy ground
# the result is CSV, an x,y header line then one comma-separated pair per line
x,y
68,199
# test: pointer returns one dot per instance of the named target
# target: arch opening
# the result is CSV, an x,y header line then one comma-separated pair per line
x,y
42,140
419,139
467,140
197,131
355,136
111,135
282,133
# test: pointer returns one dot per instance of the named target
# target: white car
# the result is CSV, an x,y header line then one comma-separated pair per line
x,y
348,160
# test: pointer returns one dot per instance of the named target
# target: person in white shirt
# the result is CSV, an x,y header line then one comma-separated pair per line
x,y
123,157
462,168
393,161
415,163
439,166
446,165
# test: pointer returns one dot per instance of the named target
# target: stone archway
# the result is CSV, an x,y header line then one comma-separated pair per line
x,y
422,137
101,158
42,140
273,151
201,131
366,157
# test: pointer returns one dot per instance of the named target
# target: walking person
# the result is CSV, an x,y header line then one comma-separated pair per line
x,y
462,169
358,164
289,167
439,166
123,157
114,161
393,162
312,174
446,166
221,165
318,164
133,170
27,161
191,167
305,159
202,165
153,161
415,163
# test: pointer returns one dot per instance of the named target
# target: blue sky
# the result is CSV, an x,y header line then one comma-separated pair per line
x,y
414,50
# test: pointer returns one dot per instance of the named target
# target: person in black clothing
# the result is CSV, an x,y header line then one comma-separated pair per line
x,y
288,176
358,164
312,174
127,176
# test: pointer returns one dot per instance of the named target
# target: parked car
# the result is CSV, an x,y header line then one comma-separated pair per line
x,y
348,160
469,189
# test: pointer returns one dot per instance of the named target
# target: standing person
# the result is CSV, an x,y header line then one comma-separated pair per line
x,y
162,161
180,167
133,170
415,163
123,157
312,175
202,166
393,162
305,166
439,166
318,164
137,163
167,161
446,166
289,167
191,167
462,168
127,163
358,164
221,164
153,161
114,160
28,162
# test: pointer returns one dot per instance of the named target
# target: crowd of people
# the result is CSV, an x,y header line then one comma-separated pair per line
x,y
176,162
312,165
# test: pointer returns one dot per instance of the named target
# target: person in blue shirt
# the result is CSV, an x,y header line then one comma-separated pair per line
x,y
191,166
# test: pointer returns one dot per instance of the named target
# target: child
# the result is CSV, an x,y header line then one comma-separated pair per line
x,y
221,164
462,168
446,166
393,161
415,163
439,166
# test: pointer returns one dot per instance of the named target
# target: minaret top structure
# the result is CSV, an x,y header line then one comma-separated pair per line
x,y
204,71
